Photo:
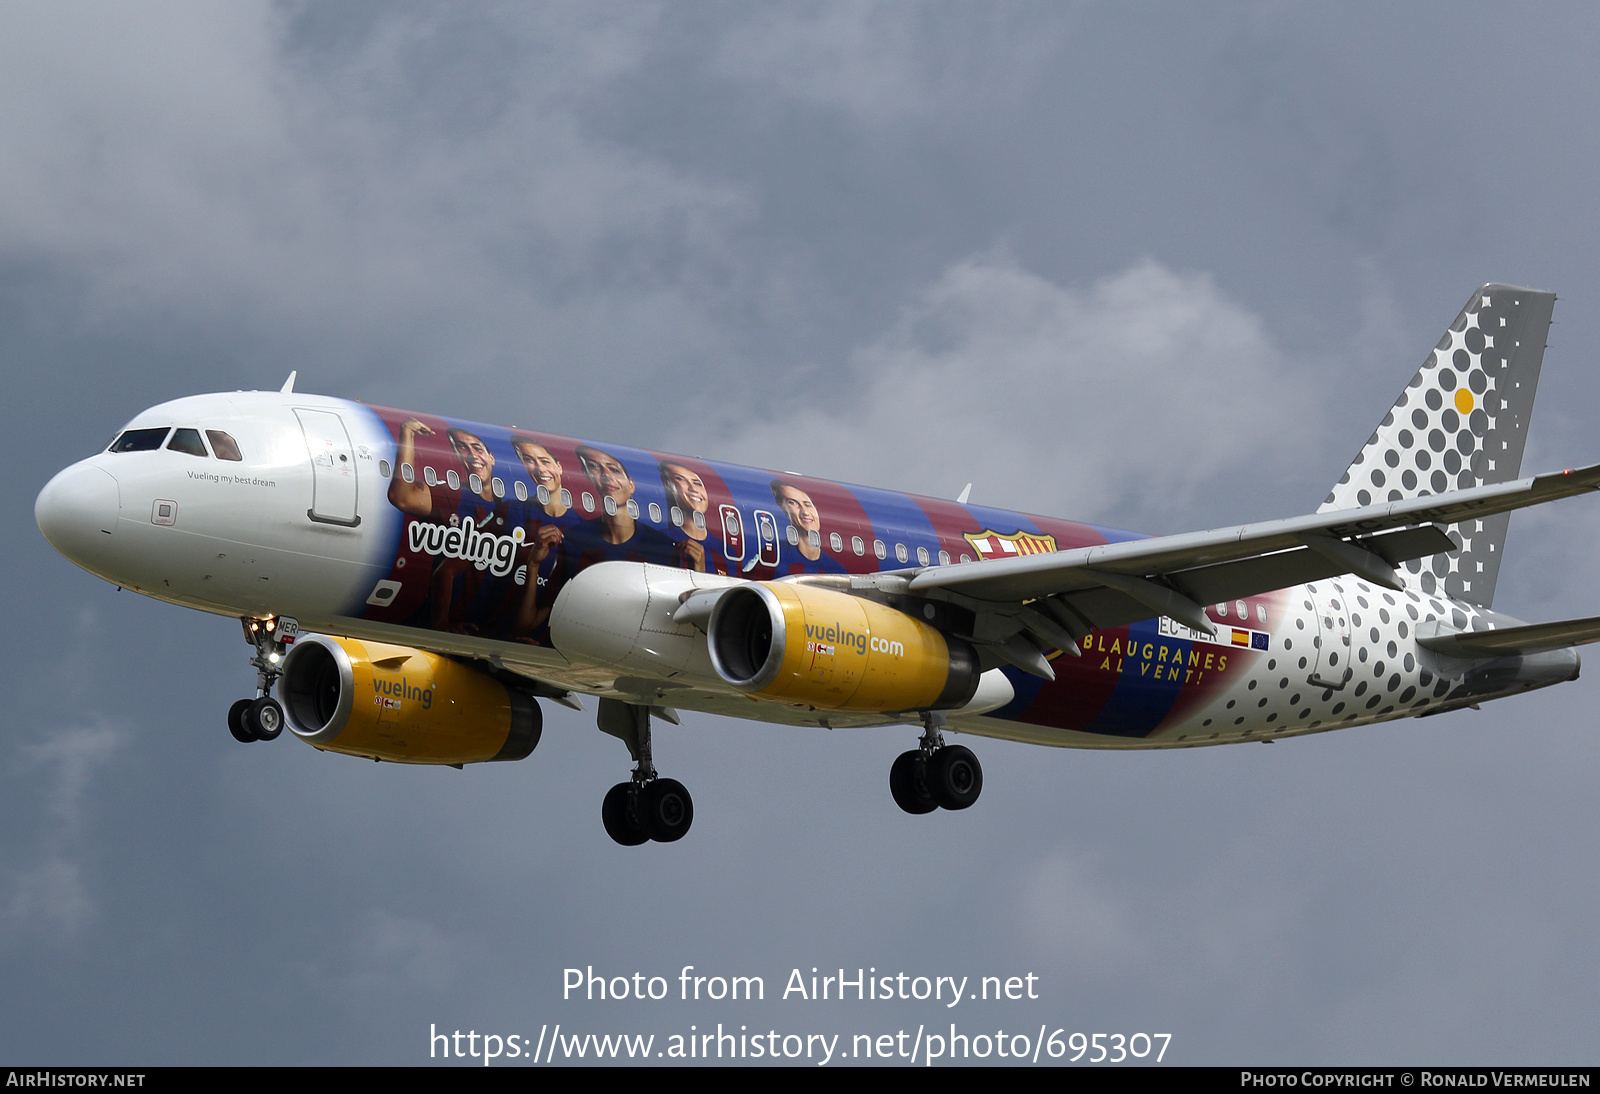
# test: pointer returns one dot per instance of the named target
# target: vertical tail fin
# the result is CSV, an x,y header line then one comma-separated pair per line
x,y
1461,422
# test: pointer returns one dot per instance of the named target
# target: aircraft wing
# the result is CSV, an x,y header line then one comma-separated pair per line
x,y
1054,598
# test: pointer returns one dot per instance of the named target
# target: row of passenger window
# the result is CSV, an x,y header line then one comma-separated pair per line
x,y
1243,611
901,554
497,487
183,440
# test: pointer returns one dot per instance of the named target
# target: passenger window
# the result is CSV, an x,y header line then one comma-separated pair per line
x,y
566,497
677,517
922,556
1242,609
699,520
857,546
383,466
655,513
816,538
520,488
408,473
453,479
140,440
835,541
588,502
879,549
610,504
474,483
543,494
430,477
792,535
944,558
188,442
633,508
226,449
900,552
1261,613
966,558
498,486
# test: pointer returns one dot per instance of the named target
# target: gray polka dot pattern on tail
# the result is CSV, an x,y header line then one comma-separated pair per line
x,y
1461,422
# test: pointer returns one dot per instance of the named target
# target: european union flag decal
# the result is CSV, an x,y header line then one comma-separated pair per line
x,y
1258,640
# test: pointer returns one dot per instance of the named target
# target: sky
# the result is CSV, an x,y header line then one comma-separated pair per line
x,y
1152,266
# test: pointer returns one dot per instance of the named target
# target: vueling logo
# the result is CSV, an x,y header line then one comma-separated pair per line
x,y
483,549
861,643
388,693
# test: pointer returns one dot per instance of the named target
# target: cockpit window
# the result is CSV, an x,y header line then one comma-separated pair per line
x,y
140,440
187,441
224,446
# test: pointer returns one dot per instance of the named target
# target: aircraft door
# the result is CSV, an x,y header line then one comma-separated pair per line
x,y
1331,667
333,468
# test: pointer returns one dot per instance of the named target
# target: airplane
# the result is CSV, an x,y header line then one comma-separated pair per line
x,y
412,586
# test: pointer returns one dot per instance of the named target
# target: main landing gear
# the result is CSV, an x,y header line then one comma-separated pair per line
x,y
935,775
646,807
261,718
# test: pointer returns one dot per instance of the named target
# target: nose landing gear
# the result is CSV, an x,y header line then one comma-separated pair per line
x,y
258,719
646,807
261,718
935,775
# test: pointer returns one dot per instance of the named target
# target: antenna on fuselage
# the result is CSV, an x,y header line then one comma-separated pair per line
x,y
966,492
288,385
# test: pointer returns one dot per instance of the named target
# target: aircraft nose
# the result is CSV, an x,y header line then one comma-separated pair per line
x,y
77,512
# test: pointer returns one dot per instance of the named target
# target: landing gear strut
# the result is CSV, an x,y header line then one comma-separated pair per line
x,y
935,775
646,807
261,718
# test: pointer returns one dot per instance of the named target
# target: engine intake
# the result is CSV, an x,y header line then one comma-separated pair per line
x,y
783,640
401,704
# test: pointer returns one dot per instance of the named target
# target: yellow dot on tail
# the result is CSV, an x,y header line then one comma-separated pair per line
x,y
1464,400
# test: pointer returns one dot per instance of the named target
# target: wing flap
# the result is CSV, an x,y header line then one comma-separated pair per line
x,y
1106,607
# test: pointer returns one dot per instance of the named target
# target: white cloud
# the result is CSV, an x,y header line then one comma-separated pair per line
x,y
70,757
50,897
1123,399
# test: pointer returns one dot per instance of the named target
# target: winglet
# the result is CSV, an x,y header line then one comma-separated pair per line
x,y
966,492
288,385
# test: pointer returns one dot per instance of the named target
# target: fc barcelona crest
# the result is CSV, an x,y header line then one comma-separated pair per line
x,y
994,545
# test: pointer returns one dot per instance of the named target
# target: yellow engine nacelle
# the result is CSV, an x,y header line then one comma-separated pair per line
x,y
827,649
400,704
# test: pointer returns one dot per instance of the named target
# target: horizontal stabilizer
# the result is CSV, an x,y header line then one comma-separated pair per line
x,y
1515,641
